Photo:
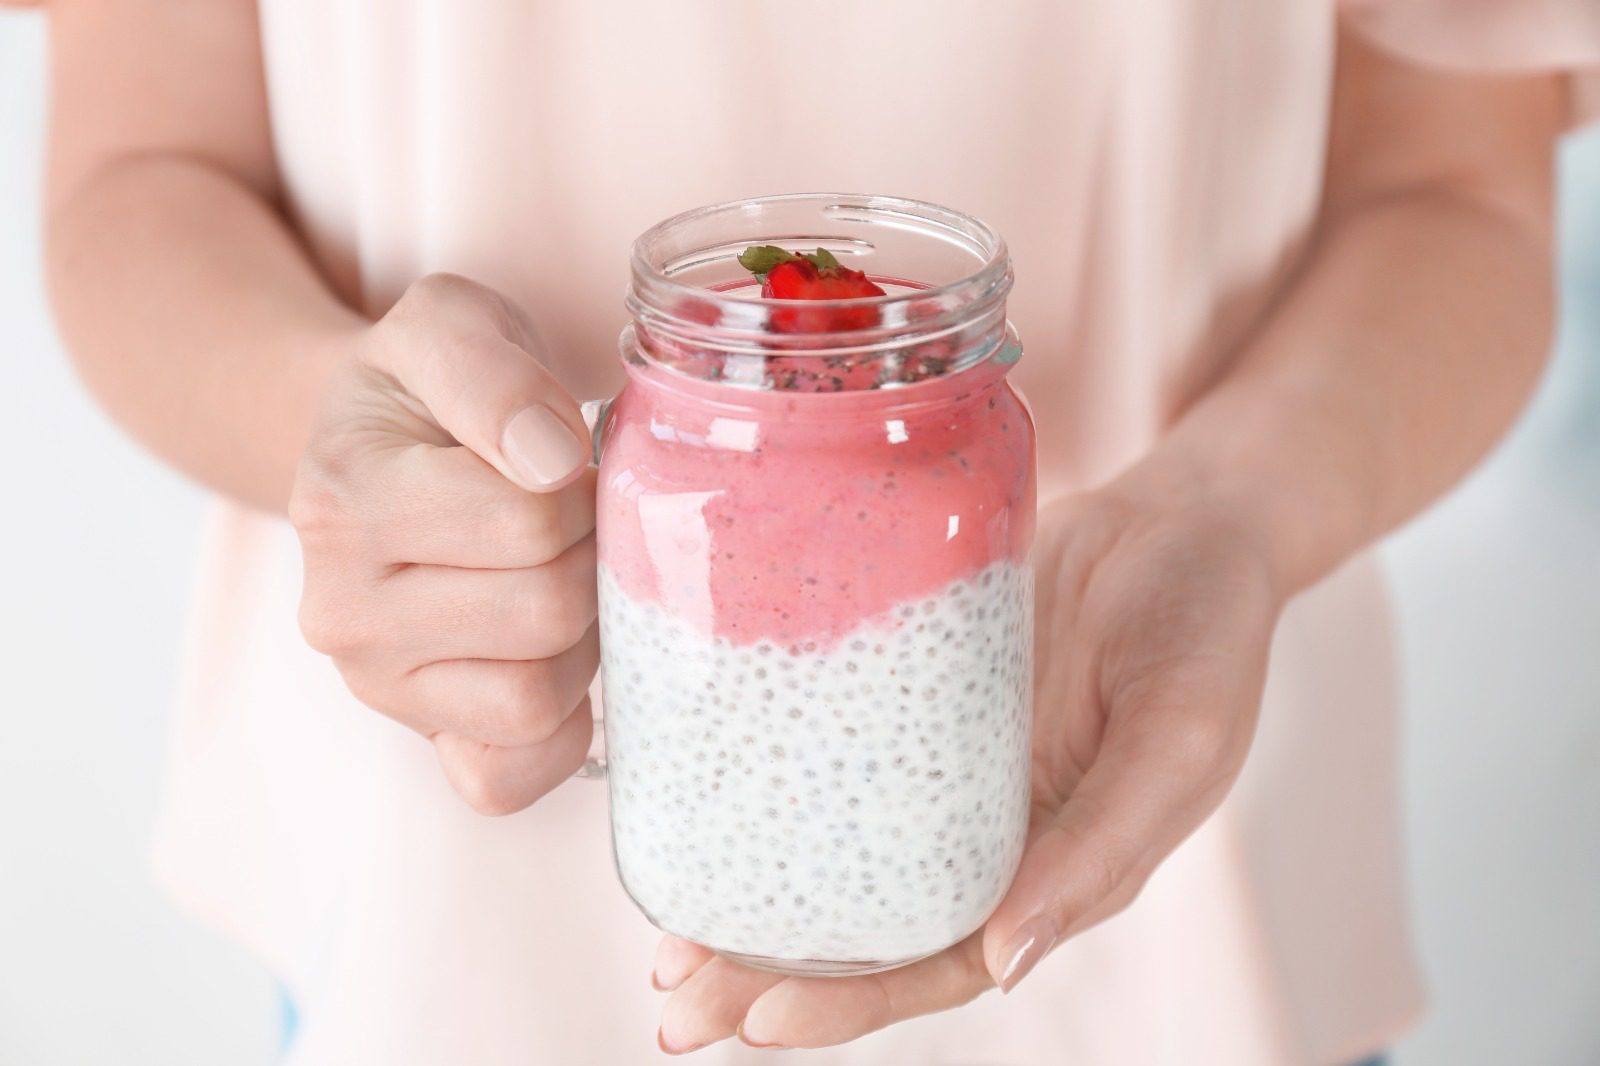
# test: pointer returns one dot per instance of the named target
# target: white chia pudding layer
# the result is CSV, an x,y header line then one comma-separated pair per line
x,y
863,800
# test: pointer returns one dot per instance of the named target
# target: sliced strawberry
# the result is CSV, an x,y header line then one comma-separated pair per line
x,y
814,276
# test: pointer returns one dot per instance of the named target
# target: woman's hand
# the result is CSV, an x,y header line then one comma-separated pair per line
x,y
1154,620
446,514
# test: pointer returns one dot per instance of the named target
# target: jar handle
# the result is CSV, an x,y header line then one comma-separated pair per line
x,y
595,415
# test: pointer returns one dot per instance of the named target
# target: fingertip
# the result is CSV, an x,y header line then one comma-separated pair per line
x,y
676,961
816,1012
749,1041
1021,901
1003,934
710,1004
669,1048
764,1021
758,1032
1032,941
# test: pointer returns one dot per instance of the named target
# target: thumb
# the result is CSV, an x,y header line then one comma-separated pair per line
x,y
455,346
1147,789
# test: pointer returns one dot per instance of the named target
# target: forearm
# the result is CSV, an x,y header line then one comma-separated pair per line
x,y
195,318
1405,348
185,298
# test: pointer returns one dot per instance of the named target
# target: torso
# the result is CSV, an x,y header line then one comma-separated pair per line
x,y
1152,164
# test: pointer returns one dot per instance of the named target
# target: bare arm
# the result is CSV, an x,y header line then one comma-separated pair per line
x,y
1407,343
434,470
192,311
1415,333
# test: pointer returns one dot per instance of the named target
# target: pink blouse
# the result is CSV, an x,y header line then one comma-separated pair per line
x,y
1154,165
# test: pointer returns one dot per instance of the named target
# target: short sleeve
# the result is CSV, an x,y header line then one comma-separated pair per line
x,y
1494,35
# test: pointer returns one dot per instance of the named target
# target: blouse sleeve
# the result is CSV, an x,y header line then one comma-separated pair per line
x,y
1495,35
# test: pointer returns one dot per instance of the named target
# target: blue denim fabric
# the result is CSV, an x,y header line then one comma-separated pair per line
x,y
288,1019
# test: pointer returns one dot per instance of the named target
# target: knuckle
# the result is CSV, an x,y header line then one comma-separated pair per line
x,y
316,508
1104,874
318,633
484,791
1204,737
1125,894
1133,886
327,625
315,625
325,499
557,607
369,689
427,304
562,619
529,527
529,709
1207,744
467,301
972,972
1108,867
460,296
438,287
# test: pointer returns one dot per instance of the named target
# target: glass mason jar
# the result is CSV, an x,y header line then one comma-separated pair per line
x,y
816,598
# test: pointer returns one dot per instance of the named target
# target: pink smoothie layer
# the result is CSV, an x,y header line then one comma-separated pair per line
x,y
794,517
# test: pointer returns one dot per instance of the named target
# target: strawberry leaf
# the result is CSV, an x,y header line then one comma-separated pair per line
x,y
823,259
759,259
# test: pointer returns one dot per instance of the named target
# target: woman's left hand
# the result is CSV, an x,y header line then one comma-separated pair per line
x,y
1153,624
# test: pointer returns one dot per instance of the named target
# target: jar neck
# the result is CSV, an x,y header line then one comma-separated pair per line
x,y
668,389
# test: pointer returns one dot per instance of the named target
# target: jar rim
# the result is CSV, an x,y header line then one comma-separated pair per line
x,y
655,284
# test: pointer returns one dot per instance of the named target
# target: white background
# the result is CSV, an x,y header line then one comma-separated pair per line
x,y
1499,599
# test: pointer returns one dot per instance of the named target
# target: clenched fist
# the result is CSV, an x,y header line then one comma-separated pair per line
x,y
445,506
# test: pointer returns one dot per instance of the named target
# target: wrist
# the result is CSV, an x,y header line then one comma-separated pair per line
x,y
1179,487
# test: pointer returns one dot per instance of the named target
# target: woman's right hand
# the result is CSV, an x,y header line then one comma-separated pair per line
x,y
445,508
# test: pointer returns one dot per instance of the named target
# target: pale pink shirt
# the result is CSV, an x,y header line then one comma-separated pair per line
x,y
1154,165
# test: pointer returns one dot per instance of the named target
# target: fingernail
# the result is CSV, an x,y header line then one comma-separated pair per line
x,y
540,448
672,1049
1031,942
746,1038
672,966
